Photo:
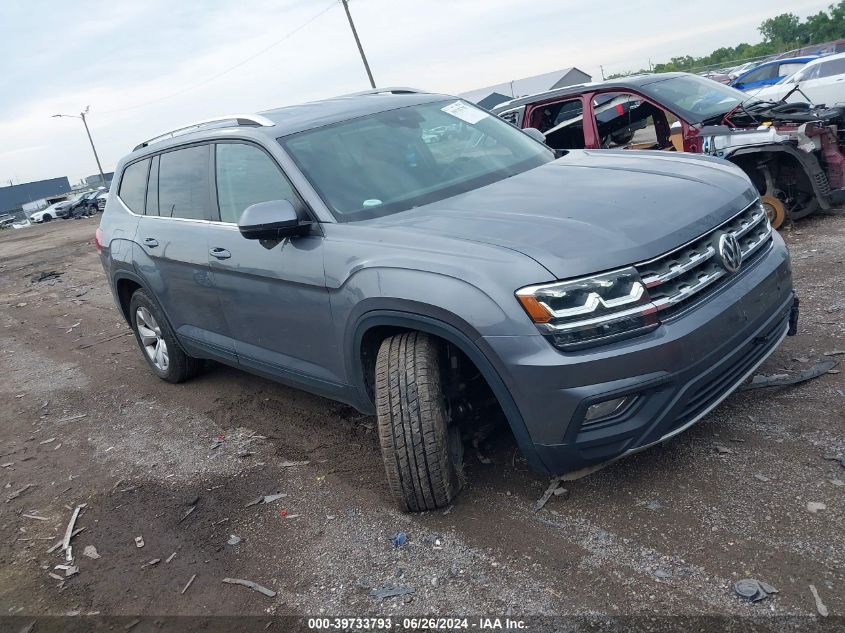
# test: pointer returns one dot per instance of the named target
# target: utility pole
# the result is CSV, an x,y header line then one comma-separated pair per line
x,y
90,140
358,42
602,72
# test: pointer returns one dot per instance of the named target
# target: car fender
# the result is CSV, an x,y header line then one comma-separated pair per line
x,y
448,327
809,163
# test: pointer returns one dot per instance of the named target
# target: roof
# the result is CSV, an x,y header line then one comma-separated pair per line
x,y
622,83
530,85
289,120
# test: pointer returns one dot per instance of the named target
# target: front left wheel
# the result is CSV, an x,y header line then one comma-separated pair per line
x,y
159,346
420,444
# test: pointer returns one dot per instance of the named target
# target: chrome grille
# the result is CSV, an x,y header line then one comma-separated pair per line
x,y
679,278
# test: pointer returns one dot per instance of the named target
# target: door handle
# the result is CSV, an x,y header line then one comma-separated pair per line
x,y
151,242
220,253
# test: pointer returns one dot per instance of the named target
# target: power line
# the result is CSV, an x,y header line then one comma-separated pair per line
x,y
286,36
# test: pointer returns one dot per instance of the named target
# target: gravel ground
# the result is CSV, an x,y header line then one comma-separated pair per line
x,y
667,531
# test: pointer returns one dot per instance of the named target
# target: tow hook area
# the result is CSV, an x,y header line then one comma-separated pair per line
x,y
793,318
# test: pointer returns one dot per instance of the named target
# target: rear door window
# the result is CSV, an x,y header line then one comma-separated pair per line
x,y
183,183
246,175
562,123
133,185
831,68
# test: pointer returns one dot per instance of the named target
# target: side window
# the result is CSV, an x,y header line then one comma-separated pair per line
x,y
183,187
626,120
786,70
152,188
760,74
133,185
831,68
562,123
247,176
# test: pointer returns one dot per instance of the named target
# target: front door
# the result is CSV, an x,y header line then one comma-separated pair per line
x,y
273,293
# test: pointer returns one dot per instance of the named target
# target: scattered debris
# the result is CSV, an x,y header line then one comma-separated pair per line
x,y
48,441
560,491
819,604
837,482
254,586
781,380
223,520
139,541
801,359
132,624
814,506
185,588
283,513
547,495
187,514
266,499
836,458
28,628
105,340
724,450
45,275
36,517
60,543
70,570
90,551
399,539
753,590
836,352
71,418
287,464
391,592
151,563
233,540
762,478
70,526
18,493
7,464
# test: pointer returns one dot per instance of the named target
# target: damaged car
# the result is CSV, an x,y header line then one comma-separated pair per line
x,y
600,302
792,152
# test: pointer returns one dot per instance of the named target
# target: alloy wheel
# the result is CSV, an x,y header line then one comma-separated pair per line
x,y
151,338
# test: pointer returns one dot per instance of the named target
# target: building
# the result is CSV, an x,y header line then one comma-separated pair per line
x,y
12,198
95,181
492,96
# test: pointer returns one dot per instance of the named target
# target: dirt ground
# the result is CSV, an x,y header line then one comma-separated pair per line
x,y
667,531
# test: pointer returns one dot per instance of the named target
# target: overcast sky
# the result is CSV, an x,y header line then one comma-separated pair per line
x,y
146,66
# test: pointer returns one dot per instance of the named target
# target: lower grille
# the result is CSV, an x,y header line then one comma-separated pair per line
x,y
714,388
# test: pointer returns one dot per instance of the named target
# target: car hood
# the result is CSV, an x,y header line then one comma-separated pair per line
x,y
591,210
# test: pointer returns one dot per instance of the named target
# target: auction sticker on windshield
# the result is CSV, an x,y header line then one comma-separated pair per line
x,y
464,112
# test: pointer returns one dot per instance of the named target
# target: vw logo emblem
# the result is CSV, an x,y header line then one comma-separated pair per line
x,y
730,252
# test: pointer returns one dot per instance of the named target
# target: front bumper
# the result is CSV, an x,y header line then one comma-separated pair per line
x,y
679,372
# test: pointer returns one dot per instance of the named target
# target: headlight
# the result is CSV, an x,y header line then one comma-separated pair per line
x,y
592,309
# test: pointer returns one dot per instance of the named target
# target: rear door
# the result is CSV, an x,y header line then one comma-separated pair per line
x,y
172,240
273,293
827,84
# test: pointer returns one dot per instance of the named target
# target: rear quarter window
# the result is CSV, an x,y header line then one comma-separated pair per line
x,y
133,185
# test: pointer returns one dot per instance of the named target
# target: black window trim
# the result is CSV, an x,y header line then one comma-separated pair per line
x,y
146,181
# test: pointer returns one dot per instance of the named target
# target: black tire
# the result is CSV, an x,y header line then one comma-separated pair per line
x,y
180,366
422,451
47,218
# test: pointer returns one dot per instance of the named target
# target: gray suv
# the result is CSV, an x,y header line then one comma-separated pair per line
x,y
602,301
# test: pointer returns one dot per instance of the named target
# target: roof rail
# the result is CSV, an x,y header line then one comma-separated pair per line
x,y
394,90
231,120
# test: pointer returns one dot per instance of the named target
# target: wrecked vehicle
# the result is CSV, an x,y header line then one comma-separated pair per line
x,y
792,152
439,286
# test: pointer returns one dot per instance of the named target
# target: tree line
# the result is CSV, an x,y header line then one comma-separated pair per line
x,y
780,33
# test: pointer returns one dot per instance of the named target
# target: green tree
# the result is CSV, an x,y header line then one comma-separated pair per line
x,y
785,28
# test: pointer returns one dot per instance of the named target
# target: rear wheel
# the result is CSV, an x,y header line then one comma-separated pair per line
x,y
159,346
420,444
47,218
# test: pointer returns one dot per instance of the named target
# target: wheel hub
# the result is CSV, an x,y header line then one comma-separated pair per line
x,y
151,339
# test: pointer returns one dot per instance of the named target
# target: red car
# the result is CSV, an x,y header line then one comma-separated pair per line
x,y
790,151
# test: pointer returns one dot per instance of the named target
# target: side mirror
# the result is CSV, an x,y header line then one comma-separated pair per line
x,y
271,220
536,134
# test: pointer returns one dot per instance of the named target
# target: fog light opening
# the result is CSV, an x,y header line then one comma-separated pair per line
x,y
607,409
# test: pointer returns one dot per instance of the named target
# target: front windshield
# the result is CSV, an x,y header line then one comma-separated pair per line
x,y
396,160
696,98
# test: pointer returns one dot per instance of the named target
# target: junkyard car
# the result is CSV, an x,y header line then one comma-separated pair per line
x,y
57,210
770,72
821,82
602,301
790,151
